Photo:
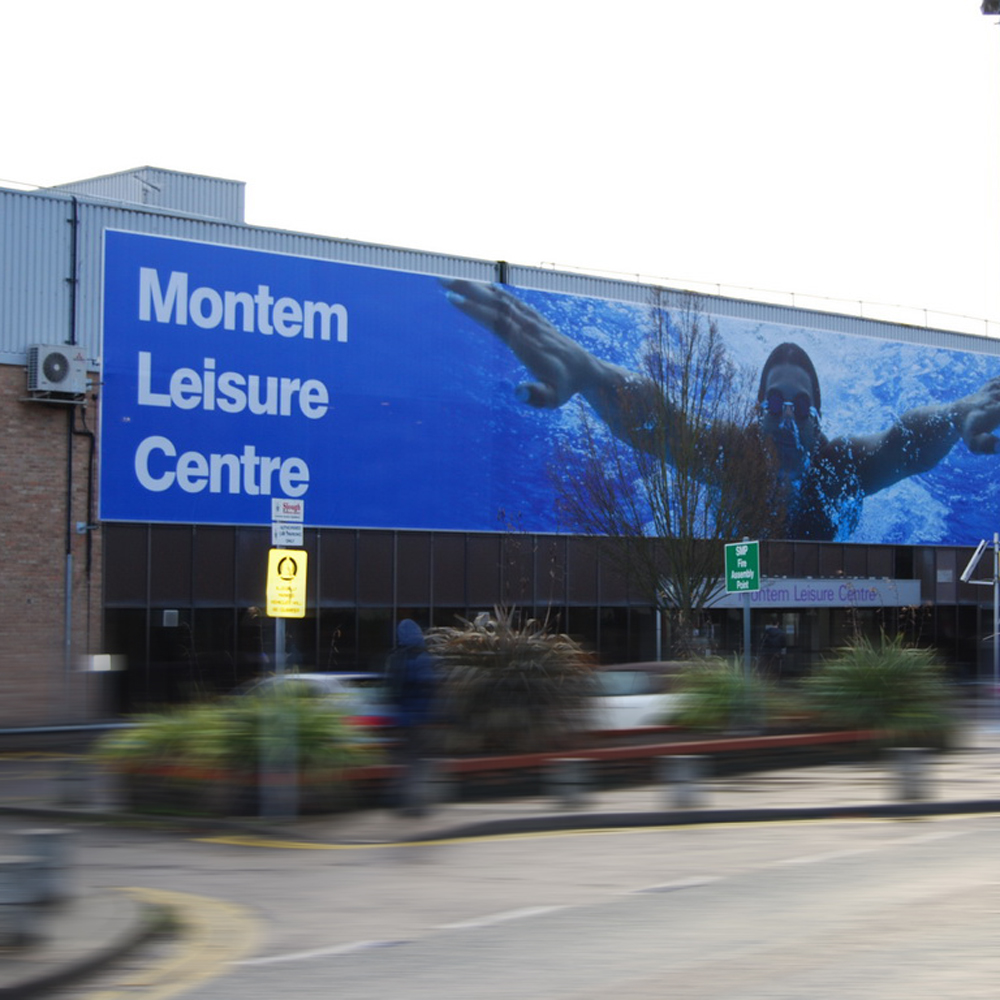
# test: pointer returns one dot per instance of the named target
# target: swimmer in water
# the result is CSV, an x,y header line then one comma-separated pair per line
x,y
822,482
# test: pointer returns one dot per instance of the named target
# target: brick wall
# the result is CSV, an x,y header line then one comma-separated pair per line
x,y
35,686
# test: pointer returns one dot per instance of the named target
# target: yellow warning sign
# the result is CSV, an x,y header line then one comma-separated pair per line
x,y
286,583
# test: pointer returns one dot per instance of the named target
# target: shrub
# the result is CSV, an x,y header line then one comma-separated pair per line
x,y
718,695
888,686
510,685
236,734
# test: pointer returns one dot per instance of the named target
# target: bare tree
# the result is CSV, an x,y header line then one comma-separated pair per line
x,y
681,470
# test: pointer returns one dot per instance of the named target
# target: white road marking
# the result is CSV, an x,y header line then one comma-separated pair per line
x,y
681,883
335,949
357,946
812,859
499,918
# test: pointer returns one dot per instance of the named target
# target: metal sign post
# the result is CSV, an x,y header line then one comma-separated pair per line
x,y
743,577
966,577
286,598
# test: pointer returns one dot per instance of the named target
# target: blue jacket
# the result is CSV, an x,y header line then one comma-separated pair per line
x,y
411,676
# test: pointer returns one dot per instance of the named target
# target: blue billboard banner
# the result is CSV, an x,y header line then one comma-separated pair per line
x,y
387,399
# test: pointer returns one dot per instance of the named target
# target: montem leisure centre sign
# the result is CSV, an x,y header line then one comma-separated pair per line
x,y
839,592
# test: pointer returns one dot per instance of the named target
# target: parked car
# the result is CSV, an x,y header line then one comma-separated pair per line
x,y
360,695
631,695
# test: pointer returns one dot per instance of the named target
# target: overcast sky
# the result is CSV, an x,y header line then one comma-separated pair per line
x,y
848,149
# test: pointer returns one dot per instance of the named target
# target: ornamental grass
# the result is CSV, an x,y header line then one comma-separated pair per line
x,y
510,684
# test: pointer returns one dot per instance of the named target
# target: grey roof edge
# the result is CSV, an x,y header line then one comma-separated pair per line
x,y
145,166
544,278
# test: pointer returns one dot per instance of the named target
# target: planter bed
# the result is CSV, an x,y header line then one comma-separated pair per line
x,y
630,759
173,789
471,779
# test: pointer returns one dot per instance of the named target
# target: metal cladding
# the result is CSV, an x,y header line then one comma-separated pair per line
x,y
46,234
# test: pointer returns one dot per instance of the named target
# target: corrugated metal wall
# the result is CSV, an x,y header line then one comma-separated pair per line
x,y
36,254
34,268
37,232
761,312
152,187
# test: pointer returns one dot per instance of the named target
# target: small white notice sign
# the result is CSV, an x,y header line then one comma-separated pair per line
x,y
287,510
286,535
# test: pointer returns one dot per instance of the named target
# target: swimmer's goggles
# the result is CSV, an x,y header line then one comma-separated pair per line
x,y
774,404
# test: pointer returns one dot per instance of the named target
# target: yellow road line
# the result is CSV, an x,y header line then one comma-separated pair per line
x,y
249,840
212,934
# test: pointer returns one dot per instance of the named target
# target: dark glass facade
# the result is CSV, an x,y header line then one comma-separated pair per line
x,y
184,604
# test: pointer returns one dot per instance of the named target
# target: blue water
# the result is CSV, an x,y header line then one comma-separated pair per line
x,y
866,384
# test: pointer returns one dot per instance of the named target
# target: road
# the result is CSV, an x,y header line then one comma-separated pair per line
x,y
821,910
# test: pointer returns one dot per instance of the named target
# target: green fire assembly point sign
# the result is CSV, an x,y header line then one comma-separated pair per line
x,y
742,567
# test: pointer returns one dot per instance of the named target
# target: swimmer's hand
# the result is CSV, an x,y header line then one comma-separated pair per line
x,y
560,366
978,417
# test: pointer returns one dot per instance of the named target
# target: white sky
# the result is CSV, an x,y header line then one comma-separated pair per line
x,y
848,149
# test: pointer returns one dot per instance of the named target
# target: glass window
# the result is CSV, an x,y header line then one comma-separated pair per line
x,y
449,569
517,565
213,638
337,552
125,564
170,564
376,638
375,567
484,570
413,568
550,563
581,624
581,556
856,561
613,582
252,547
806,556
880,560
831,560
337,641
214,565
777,559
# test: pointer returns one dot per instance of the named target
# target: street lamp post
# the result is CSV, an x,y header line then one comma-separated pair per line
x,y
994,582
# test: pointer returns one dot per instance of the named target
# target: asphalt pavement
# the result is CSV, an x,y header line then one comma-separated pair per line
x,y
87,929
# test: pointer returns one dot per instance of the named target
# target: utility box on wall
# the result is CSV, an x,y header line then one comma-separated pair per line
x,y
57,368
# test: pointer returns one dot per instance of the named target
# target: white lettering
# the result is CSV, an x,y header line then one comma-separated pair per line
x,y
142,456
245,301
287,317
193,472
209,308
324,311
234,399
146,396
175,301
267,405
264,302
185,389
211,319
233,392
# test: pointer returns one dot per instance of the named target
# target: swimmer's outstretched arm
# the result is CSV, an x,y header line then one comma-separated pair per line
x,y
561,367
923,436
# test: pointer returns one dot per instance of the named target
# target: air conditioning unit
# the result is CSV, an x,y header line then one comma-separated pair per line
x,y
60,368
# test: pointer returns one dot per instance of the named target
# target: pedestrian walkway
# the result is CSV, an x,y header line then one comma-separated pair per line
x,y
965,778
87,929
53,786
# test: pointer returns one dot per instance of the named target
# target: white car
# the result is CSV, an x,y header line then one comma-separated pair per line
x,y
631,695
361,695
